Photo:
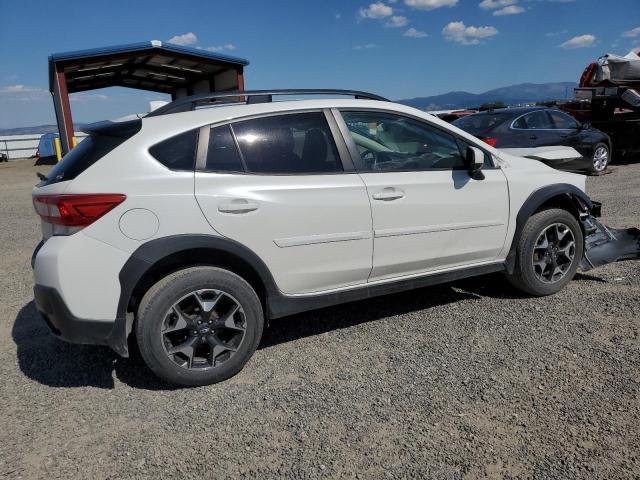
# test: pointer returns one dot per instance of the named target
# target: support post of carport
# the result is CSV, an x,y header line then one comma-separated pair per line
x,y
63,110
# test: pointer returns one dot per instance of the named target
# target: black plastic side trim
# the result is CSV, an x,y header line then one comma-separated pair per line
x,y
63,324
282,305
534,201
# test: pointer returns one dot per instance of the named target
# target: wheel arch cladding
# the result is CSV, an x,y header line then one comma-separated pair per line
x,y
560,195
158,258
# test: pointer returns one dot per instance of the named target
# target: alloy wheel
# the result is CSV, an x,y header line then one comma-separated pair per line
x,y
600,158
553,253
203,329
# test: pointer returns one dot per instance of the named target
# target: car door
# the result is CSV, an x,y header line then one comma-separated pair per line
x,y
536,129
428,213
277,184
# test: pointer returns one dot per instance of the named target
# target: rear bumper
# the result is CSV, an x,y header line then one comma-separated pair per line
x,y
64,325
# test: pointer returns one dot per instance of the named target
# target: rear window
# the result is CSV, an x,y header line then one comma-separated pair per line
x,y
85,154
177,153
481,122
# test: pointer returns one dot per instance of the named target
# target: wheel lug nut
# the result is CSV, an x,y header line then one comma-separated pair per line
x,y
199,322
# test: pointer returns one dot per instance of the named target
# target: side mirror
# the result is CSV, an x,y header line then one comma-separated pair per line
x,y
475,162
585,126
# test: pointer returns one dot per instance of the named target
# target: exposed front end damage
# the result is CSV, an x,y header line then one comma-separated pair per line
x,y
604,245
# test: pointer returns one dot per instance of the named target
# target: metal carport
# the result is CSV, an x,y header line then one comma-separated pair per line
x,y
153,65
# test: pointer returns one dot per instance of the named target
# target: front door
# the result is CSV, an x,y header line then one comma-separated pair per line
x,y
277,185
428,213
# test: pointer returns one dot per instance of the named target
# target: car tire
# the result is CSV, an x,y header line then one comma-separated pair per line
x,y
543,248
199,326
600,158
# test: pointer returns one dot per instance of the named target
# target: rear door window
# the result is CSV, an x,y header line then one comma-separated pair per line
x,y
299,143
177,153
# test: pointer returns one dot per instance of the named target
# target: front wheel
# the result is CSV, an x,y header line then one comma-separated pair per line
x,y
548,252
199,326
600,159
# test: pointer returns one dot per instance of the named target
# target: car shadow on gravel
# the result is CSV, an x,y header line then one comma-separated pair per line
x,y
351,314
50,361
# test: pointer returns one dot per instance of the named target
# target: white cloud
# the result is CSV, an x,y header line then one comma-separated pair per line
x,y
555,34
376,10
581,41
430,4
397,21
413,33
87,97
20,89
633,33
459,33
493,4
510,10
365,47
338,16
220,48
188,38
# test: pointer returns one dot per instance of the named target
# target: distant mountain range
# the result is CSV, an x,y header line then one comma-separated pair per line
x,y
38,129
511,95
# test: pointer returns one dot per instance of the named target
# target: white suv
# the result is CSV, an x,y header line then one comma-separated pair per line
x,y
192,227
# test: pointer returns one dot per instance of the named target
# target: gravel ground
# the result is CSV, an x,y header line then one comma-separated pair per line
x,y
463,380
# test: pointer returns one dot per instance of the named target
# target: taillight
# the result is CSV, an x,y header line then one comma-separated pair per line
x,y
75,210
490,141
585,78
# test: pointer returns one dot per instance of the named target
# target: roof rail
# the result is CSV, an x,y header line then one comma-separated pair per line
x,y
186,104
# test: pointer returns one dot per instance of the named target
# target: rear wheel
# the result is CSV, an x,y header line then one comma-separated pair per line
x,y
600,159
548,252
199,326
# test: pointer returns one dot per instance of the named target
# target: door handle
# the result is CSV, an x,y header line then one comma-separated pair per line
x,y
387,194
238,205
533,137
564,136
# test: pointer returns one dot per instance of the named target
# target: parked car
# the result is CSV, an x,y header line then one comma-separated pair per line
x,y
191,228
541,126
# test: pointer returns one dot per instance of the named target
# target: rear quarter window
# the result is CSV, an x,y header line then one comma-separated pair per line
x,y
85,154
177,153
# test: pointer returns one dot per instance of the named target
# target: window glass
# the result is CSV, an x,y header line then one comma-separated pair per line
x,y
479,123
222,154
177,153
392,142
88,152
562,120
534,121
286,144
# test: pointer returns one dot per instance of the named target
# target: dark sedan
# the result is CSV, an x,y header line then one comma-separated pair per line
x,y
528,127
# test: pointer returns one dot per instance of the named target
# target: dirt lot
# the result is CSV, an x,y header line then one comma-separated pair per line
x,y
463,380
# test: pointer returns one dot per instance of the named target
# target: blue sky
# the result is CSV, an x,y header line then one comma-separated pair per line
x,y
399,49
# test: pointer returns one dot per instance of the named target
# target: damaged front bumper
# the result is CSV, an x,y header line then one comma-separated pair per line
x,y
604,245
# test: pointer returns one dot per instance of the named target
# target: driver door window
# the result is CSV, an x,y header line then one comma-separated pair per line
x,y
388,142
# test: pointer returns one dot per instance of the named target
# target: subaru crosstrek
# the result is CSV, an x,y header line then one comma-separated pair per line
x,y
192,227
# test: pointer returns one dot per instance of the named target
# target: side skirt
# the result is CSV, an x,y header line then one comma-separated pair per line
x,y
282,305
